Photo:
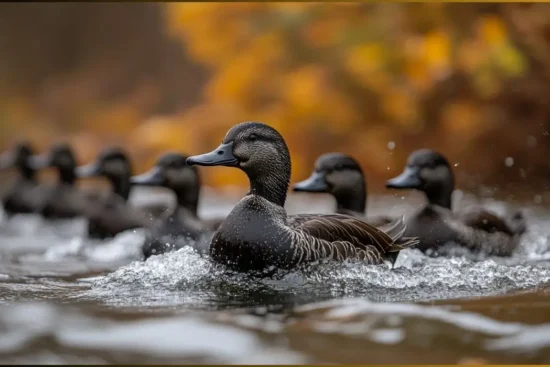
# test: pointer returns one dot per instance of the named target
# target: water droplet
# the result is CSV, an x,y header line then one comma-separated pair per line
x,y
537,199
391,145
509,162
457,164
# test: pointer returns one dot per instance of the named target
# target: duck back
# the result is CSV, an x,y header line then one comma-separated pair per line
x,y
437,227
23,197
64,202
110,216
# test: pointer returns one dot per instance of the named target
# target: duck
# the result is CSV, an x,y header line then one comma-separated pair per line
x,y
341,176
110,214
183,223
436,225
23,196
259,237
63,200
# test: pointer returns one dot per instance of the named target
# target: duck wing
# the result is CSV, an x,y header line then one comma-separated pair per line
x,y
484,220
375,221
339,237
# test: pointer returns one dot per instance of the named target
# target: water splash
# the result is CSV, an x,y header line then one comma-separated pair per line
x,y
417,277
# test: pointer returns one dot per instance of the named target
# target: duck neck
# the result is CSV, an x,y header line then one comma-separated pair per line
x,y
351,196
187,198
272,188
271,180
27,173
440,200
66,175
440,195
120,185
351,200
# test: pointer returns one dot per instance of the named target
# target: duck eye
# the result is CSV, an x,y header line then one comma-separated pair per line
x,y
252,137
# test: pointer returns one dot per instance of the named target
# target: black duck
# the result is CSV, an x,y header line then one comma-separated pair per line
x,y
182,223
23,196
341,176
436,225
63,200
110,214
258,235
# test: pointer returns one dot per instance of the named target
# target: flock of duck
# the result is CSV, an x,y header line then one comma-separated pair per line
x,y
258,235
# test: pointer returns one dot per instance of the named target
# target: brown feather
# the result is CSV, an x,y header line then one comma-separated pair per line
x,y
339,237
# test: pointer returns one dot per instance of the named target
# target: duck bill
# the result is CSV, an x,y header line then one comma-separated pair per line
x,y
39,161
89,170
315,183
6,160
221,156
153,177
409,179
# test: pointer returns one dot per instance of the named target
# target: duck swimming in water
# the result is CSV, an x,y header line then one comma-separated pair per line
x,y
23,196
183,223
341,176
436,225
63,200
110,214
258,235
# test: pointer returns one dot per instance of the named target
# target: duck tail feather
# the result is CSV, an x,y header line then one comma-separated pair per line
x,y
403,243
395,230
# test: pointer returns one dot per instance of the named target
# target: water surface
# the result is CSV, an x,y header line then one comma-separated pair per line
x,y
65,299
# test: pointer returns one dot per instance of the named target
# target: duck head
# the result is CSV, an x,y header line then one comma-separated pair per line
x,y
172,171
114,165
429,172
60,157
19,157
259,151
340,175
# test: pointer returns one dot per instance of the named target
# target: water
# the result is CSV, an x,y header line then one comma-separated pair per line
x,y
64,299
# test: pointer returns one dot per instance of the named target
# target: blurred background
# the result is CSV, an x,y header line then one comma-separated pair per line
x,y
376,81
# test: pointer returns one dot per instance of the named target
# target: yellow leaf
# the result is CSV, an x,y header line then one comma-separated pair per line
x,y
510,61
493,30
437,51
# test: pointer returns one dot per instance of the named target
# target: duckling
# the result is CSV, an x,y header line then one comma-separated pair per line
x,y
24,195
342,177
110,214
258,235
171,171
436,225
63,200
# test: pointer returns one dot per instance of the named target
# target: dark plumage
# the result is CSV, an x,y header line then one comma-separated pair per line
x,y
181,224
23,196
258,235
341,176
62,200
435,224
110,214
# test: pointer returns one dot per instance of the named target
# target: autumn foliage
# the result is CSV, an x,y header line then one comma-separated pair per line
x,y
373,80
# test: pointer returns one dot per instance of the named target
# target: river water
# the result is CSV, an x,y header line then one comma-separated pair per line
x,y
64,299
